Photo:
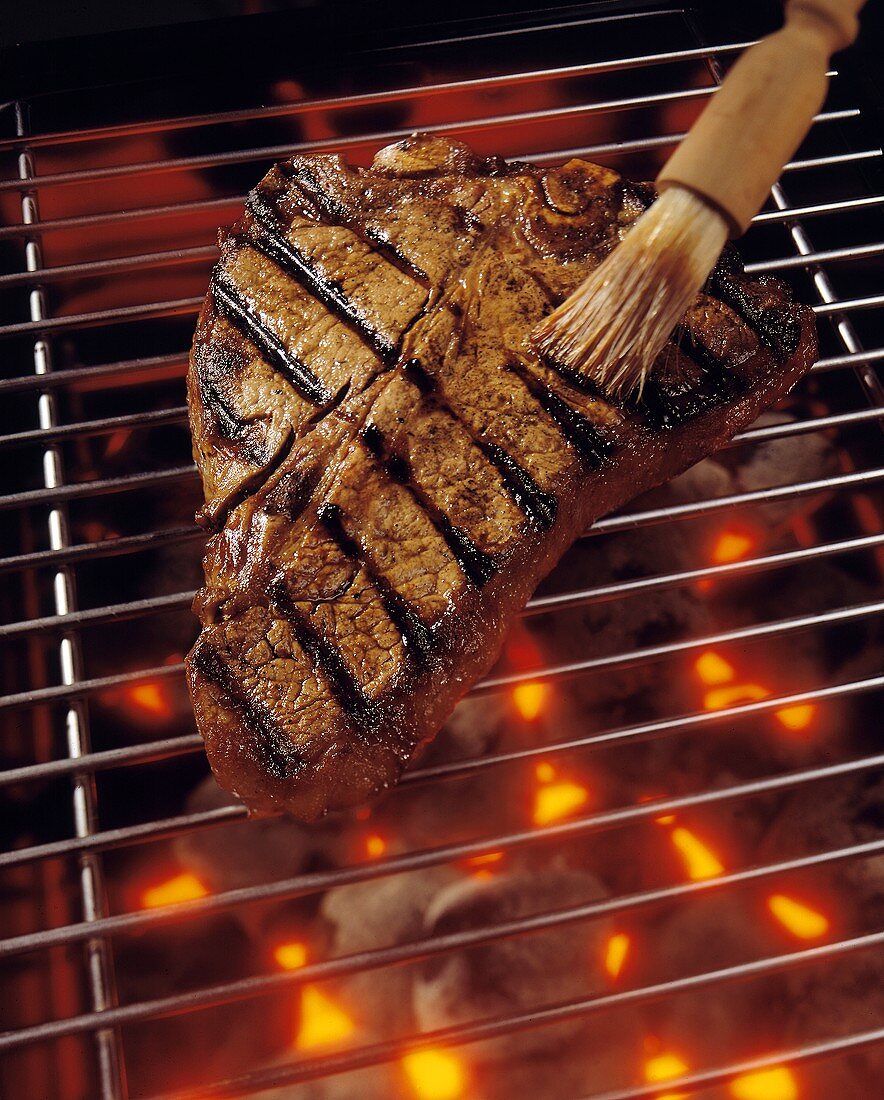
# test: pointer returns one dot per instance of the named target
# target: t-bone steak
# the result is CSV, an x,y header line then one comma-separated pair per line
x,y
390,469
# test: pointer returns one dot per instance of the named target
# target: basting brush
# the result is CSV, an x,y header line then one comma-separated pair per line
x,y
613,327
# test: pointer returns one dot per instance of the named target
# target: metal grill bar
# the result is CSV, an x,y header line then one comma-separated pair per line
x,y
198,254
187,208
60,556
90,269
832,255
722,1074
99,963
192,305
372,99
107,548
249,988
151,419
86,688
608,524
539,605
304,884
135,833
112,371
178,414
175,746
347,1061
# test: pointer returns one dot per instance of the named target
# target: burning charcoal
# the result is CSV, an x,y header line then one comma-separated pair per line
x,y
374,1083
785,462
843,996
477,726
837,815
730,1020
381,913
228,857
192,956
624,624
705,481
514,975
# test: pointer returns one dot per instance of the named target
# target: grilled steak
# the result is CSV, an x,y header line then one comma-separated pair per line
x,y
389,468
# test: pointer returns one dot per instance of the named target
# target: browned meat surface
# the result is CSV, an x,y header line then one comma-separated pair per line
x,y
388,467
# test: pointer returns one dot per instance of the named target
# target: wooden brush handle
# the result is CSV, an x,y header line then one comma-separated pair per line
x,y
753,124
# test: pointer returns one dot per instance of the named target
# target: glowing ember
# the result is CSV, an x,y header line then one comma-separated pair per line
x,y
663,1067
777,1083
665,819
616,950
731,546
435,1074
529,699
700,862
183,887
720,697
545,773
375,846
290,956
483,861
558,800
713,669
798,918
149,698
322,1021
796,718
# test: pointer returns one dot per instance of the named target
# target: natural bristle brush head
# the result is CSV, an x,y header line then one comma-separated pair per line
x,y
613,327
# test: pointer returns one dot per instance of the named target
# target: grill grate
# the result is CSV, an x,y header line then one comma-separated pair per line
x,y
96,355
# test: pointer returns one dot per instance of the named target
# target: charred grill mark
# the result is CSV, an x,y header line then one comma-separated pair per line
x,y
228,424
334,213
475,564
418,638
776,329
578,380
574,426
348,692
236,310
416,374
270,240
214,515
671,402
538,506
281,758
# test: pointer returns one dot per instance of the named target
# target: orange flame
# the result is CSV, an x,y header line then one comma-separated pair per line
x,y
796,718
556,800
729,695
732,546
700,861
776,1083
488,857
529,699
796,917
481,865
713,669
435,1074
151,698
183,887
322,1021
375,846
663,1067
616,950
290,956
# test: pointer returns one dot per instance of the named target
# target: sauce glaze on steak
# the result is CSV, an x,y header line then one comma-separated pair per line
x,y
389,469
